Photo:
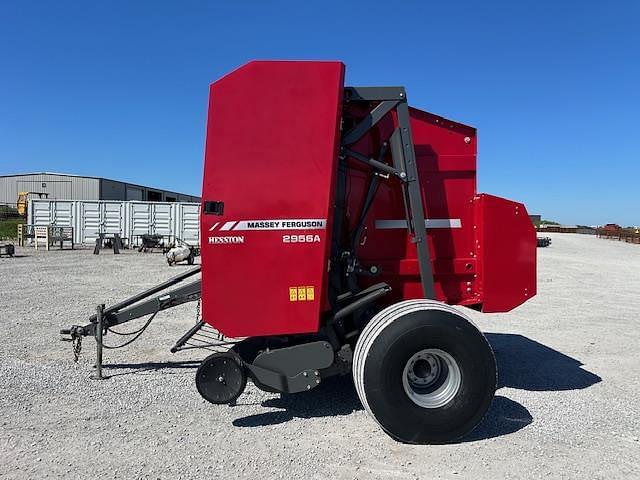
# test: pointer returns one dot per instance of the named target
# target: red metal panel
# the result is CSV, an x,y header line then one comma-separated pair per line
x,y
506,246
271,153
271,157
482,255
446,160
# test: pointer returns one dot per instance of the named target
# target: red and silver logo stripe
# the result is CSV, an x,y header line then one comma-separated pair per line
x,y
271,224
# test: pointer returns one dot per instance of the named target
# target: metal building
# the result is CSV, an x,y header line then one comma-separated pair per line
x,y
60,186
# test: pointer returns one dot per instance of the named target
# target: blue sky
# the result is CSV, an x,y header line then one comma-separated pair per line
x,y
119,88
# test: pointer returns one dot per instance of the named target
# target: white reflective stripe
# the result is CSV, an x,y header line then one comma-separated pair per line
x,y
283,224
442,223
228,226
428,223
213,227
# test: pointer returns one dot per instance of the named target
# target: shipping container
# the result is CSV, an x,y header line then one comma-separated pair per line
x,y
129,219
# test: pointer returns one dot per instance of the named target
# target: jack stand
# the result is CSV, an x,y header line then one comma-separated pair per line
x,y
98,374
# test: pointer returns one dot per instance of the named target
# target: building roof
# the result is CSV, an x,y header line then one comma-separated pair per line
x,y
96,178
57,174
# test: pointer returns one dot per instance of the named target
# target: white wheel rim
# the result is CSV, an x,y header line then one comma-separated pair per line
x,y
431,378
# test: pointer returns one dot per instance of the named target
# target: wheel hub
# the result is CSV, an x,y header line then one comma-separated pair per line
x,y
431,378
424,369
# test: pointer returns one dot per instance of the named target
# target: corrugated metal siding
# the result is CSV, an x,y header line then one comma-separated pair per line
x,y
129,219
88,224
69,187
41,213
161,218
113,217
188,216
111,190
59,187
63,215
98,217
134,193
188,198
140,218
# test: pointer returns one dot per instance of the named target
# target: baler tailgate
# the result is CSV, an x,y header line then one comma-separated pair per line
x,y
271,159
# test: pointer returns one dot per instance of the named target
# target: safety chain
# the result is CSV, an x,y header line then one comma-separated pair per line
x,y
198,310
217,334
76,343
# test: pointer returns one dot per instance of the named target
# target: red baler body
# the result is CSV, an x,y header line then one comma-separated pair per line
x,y
272,147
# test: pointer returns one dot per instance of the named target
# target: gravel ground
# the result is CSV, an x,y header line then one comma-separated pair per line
x,y
567,407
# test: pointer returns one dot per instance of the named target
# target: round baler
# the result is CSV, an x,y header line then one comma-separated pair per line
x,y
342,234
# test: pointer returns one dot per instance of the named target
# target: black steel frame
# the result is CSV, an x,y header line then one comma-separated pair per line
x,y
382,101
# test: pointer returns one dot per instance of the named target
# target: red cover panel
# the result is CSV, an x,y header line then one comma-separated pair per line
x,y
271,153
446,160
506,246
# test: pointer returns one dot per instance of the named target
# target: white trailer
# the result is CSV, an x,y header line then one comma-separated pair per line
x,y
129,219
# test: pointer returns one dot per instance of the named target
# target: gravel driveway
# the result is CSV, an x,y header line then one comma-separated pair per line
x,y
568,403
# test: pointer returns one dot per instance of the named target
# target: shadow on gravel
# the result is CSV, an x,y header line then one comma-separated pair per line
x,y
504,417
337,396
110,370
528,365
522,363
334,397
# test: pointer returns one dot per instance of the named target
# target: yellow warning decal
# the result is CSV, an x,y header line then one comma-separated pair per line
x,y
303,293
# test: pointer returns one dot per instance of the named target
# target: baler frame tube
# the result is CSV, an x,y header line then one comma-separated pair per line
x,y
147,293
178,296
404,168
414,202
134,307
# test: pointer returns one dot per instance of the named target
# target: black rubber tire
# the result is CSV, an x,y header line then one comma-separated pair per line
x,y
390,340
228,365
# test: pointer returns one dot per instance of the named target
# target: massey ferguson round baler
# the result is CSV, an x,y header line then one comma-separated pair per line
x,y
341,232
